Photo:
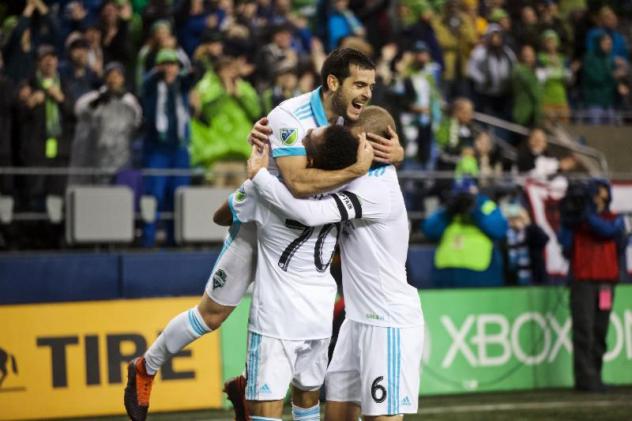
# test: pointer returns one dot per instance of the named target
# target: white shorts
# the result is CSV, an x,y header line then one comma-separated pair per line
x,y
273,364
235,267
377,368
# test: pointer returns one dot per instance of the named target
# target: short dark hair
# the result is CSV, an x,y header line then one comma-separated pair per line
x,y
338,62
338,149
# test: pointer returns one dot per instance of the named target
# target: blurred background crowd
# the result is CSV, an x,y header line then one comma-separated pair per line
x,y
113,86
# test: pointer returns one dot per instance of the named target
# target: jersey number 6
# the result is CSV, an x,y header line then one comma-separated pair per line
x,y
378,392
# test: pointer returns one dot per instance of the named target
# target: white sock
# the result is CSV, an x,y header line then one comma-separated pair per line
x,y
257,418
306,414
180,331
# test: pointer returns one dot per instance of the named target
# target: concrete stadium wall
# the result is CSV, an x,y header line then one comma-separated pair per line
x,y
614,141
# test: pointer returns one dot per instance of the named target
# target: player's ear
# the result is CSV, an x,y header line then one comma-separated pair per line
x,y
332,83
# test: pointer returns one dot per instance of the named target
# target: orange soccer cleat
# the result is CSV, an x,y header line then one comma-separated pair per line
x,y
137,390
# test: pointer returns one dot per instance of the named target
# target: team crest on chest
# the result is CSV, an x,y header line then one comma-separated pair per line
x,y
289,136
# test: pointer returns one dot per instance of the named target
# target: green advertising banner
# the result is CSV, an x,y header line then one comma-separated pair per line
x,y
490,340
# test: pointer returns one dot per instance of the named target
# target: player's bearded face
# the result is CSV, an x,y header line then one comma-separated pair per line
x,y
354,93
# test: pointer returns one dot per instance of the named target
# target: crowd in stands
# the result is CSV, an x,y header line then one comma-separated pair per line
x,y
176,84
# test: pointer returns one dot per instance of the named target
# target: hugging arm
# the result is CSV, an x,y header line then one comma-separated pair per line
x,y
334,208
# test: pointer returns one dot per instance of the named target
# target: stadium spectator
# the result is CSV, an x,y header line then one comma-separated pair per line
x,y
488,159
549,19
95,51
608,22
7,104
454,134
277,53
161,38
490,67
192,20
473,11
467,230
341,23
107,120
392,93
35,27
75,73
308,80
420,78
225,107
44,116
527,32
285,13
533,150
527,92
554,75
501,18
524,249
285,87
591,236
114,24
165,107
75,18
457,36
155,10
456,131
421,29
211,48
599,82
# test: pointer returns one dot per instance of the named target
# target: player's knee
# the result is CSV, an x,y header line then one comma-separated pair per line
x,y
213,314
305,399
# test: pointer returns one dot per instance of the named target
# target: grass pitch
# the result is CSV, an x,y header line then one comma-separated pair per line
x,y
540,405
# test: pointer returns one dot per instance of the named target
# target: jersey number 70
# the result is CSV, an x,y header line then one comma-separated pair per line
x,y
292,248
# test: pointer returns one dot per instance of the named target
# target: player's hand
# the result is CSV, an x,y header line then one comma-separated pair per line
x,y
258,160
259,134
387,151
364,157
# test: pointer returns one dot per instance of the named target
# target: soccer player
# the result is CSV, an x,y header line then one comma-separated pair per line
x,y
376,363
292,304
348,78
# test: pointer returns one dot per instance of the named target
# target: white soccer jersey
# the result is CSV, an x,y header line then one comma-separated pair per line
x,y
290,122
294,292
374,244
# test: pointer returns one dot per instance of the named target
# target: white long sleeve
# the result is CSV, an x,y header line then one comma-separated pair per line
x,y
330,209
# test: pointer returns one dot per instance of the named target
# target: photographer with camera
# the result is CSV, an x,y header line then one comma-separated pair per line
x,y
467,229
591,240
